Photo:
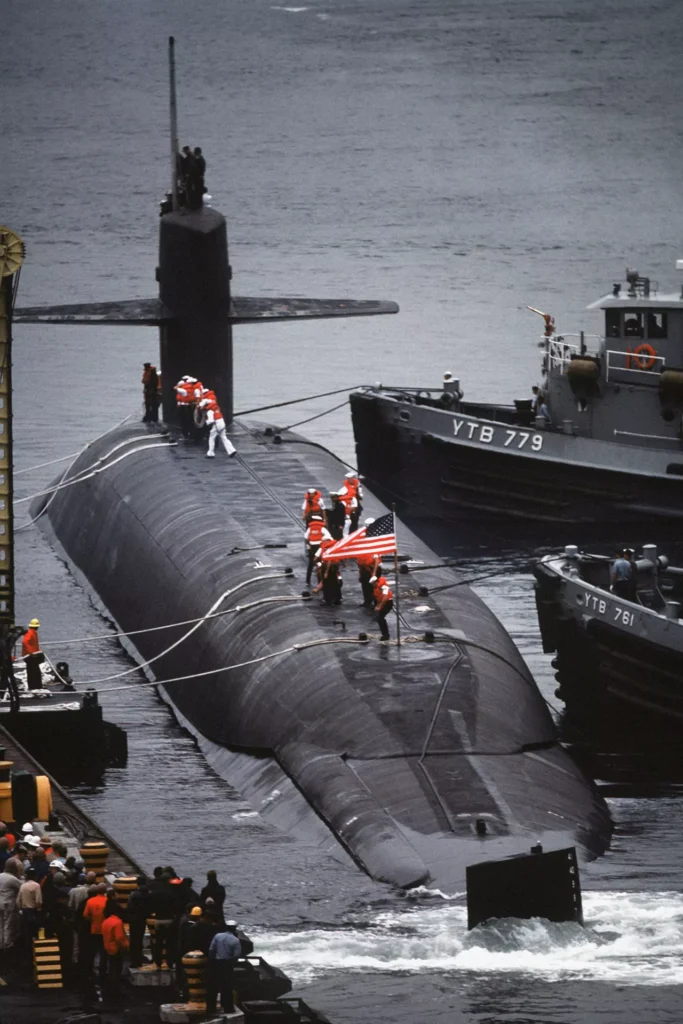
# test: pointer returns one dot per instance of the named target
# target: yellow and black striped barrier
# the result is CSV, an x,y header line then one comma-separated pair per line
x,y
194,966
95,858
47,964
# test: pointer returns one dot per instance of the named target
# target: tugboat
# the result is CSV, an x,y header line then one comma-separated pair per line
x,y
601,443
619,661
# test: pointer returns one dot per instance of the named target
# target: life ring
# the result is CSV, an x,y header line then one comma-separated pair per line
x,y
638,359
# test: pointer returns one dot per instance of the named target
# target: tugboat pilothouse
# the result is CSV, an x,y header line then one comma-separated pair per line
x,y
601,442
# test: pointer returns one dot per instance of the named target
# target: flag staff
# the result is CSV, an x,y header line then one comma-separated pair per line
x,y
398,602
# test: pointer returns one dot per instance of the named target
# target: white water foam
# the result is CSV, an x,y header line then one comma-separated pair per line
x,y
629,939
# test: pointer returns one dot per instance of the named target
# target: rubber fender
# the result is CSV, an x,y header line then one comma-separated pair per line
x,y
43,797
584,368
24,798
671,386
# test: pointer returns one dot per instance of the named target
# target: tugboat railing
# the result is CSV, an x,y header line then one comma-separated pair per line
x,y
620,362
560,352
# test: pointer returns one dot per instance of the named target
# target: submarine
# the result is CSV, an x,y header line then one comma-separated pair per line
x,y
416,758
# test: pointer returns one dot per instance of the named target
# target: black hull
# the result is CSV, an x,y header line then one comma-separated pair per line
x,y
398,755
620,690
438,484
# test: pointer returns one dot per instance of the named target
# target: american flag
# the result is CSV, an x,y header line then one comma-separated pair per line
x,y
379,538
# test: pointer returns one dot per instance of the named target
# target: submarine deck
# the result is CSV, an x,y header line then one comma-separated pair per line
x,y
405,753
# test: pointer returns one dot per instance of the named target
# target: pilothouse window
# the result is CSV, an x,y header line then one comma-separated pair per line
x,y
656,325
633,325
613,323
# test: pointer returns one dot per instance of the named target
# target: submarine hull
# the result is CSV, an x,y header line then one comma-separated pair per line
x,y
418,760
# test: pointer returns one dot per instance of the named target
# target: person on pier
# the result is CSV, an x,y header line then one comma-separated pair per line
x,y
32,655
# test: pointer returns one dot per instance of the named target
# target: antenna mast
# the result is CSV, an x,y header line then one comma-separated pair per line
x,y
174,124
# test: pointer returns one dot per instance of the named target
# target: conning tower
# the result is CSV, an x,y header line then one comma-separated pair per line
x,y
195,310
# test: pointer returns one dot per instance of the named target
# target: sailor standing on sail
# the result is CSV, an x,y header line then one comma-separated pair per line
x,y
214,417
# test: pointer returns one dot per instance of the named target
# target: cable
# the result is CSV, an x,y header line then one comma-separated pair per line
x,y
229,668
296,401
43,465
317,417
217,602
45,507
82,477
477,579
157,629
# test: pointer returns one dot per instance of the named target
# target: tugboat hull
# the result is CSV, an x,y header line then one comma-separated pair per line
x,y
619,664
463,469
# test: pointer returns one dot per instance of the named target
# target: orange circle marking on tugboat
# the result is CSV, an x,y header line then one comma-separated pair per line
x,y
639,360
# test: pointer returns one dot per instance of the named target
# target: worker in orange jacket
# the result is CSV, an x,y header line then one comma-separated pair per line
x,y
316,533
384,603
214,417
188,391
150,393
351,494
93,915
312,504
32,655
115,944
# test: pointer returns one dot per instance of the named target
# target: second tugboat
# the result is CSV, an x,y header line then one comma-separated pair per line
x,y
601,442
619,655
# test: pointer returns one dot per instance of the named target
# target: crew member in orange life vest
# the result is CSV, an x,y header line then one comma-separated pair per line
x,y
214,417
312,505
351,494
385,603
32,655
188,391
315,535
150,393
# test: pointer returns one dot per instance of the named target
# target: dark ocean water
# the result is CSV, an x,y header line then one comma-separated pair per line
x,y
465,159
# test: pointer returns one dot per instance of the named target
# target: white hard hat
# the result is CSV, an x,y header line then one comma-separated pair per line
x,y
28,827
33,840
231,924
349,476
312,490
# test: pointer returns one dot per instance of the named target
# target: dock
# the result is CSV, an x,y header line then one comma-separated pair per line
x,y
74,822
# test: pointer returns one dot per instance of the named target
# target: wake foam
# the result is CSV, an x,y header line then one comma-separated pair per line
x,y
629,938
